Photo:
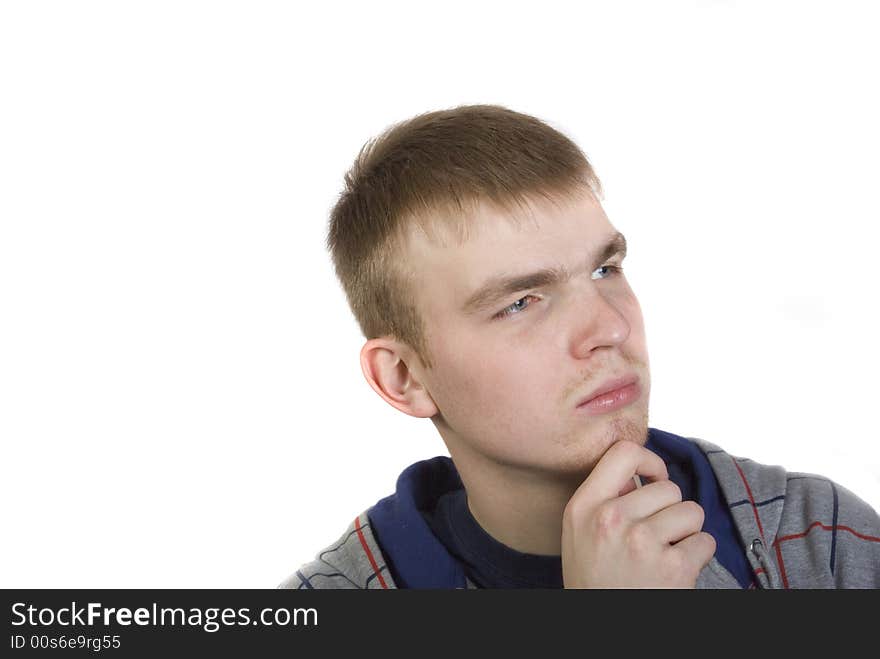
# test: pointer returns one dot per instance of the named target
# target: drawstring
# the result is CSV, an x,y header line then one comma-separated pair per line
x,y
757,549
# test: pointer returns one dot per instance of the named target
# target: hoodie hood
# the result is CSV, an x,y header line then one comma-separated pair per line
x,y
417,559
795,530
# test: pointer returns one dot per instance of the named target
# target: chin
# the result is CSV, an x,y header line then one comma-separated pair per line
x,y
632,428
584,448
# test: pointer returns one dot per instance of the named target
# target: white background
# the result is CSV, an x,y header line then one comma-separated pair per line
x,y
181,403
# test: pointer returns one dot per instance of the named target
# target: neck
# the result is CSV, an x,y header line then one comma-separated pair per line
x,y
528,517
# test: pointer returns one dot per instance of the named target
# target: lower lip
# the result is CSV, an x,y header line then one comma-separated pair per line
x,y
613,400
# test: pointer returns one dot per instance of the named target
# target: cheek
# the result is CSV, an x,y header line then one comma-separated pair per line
x,y
480,388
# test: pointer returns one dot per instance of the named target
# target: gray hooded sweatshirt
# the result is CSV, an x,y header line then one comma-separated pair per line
x,y
797,531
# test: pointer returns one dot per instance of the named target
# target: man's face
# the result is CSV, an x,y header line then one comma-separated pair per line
x,y
509,370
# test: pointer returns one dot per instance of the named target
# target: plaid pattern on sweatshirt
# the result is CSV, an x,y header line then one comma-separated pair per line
x,y
798,531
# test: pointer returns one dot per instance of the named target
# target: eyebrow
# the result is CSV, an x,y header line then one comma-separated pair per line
x,y
497,288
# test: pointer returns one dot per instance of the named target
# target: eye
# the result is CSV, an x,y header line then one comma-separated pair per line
x,y
517,307
613,270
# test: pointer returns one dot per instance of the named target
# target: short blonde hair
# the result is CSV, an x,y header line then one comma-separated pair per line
x,y
435,169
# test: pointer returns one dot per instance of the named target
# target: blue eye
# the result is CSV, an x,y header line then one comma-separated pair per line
x,y
521,304
613,269
515,308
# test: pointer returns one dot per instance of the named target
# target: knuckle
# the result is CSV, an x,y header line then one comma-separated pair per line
x,y
693,511
639,540
674,490
608,519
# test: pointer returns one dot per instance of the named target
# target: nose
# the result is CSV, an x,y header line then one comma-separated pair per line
x,y
598,321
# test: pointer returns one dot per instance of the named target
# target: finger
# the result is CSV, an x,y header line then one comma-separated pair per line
x,y
676,522
632,484
617,466
650,499
695,551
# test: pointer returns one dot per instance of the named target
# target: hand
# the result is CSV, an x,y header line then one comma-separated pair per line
x,y
617,536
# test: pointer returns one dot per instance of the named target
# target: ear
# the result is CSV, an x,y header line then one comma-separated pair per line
x,y
383,365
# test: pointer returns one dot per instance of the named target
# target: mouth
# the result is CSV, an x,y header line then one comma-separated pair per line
x,y
612,395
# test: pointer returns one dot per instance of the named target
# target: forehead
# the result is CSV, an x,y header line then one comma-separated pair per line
x,y
446,270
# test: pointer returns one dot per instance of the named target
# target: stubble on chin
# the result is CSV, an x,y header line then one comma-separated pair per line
x,y
633,429
582,452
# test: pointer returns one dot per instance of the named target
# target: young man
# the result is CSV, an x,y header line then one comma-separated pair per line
x,y
487,280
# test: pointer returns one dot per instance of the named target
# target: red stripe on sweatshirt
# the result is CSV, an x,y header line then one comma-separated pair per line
x,y
751,499
781,566
826,527
357,526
